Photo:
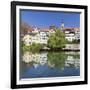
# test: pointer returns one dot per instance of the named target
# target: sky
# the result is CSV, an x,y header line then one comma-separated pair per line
x,y
44,19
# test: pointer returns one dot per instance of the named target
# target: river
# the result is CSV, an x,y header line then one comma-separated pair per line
x,y
49,64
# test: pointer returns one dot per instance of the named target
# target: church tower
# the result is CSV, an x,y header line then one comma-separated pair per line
x,y
62,25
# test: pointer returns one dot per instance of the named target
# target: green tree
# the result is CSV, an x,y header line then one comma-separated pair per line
x,y
25,48
57,40
35,47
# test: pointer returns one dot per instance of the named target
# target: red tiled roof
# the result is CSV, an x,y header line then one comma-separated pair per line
x,y
30,30
45,30
69,29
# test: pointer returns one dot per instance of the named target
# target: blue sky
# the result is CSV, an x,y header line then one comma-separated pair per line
x,y
43,19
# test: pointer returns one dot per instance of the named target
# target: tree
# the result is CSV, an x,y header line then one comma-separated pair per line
x,y
35,47
24,27
57,40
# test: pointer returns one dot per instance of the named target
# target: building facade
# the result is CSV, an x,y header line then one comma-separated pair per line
x,y
37,35
72,34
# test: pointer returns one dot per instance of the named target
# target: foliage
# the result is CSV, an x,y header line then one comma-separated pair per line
x,y
57,58
25,48
57,40
33,48
76,56
76,41
24,27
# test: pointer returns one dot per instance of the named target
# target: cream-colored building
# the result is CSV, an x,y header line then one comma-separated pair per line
x,y
35,38
40,37
27,39
31,38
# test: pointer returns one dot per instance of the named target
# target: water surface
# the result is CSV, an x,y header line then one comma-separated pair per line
x,y
49,64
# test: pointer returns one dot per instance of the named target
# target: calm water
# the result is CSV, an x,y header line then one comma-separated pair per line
x,y
49,64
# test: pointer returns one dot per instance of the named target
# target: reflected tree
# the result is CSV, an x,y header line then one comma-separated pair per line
x,y
58,59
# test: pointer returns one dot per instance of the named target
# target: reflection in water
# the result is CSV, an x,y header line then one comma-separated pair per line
x,y
71,61
49,64
36,59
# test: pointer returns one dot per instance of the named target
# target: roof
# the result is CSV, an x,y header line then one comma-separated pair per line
x,y
71,29
45,30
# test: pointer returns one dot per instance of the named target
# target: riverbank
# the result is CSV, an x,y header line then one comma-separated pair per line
x,y
68,47
38,47
60,50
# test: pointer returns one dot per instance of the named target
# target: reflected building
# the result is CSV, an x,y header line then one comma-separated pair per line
x,y
71,61
43,58
38,59
27,57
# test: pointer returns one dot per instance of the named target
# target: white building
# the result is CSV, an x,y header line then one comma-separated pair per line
x,y
73,46
72,34
43,37
77,36
36,36
70,37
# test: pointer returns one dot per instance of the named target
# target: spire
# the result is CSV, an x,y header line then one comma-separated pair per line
x,y
62,24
